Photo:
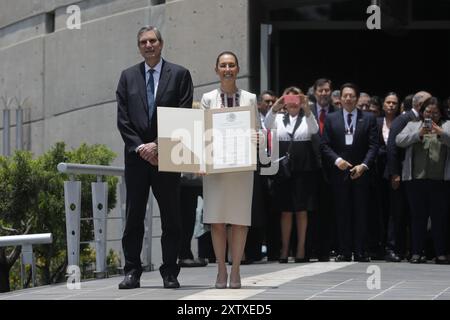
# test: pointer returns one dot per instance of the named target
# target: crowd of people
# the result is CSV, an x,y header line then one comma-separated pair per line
x,y
379,184
360,177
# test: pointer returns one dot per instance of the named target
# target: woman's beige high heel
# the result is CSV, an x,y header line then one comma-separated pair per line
x,y
220,283
236,284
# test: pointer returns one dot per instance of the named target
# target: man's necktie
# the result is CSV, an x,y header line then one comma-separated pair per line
x,y
349,123
150,94
322,119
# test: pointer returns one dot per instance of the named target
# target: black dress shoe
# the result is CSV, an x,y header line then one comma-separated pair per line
x,y
343,258
441,260
301,260
131,281
392,257
283,260
192,263
170,282
361,258
415,258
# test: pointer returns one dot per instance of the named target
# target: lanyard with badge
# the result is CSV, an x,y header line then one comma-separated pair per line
x,y
349,131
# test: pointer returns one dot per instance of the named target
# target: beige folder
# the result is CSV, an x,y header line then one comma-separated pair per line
x,y
189,140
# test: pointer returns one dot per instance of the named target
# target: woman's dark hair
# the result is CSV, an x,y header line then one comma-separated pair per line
x,y
392,93
433,101
376,101
224,53
407,102
352,86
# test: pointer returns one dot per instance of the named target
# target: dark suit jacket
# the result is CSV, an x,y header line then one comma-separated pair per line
x,y
365,140
395,155
382,154
315,138
175,89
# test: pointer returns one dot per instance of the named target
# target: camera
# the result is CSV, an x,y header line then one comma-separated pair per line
x,y
427,123
291,99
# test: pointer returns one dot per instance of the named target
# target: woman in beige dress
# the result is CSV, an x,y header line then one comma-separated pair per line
x,y
228,196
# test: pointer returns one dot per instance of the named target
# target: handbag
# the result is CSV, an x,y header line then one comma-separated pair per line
x,y
285,167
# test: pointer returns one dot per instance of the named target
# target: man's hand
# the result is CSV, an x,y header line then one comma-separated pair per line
x,y
357,171
395,182
344,165
149,151
154,161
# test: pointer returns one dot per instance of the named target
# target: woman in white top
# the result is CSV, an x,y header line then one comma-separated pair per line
x,y
297,193
228,196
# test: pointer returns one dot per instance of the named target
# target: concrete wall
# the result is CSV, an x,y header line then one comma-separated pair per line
x,y
69,77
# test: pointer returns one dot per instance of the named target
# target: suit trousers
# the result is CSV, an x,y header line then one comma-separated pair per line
x,y
351,207
428,198
189,195
139,177
321,225
398,221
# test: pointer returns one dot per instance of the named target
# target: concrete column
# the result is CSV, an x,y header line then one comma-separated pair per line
x,y
72,199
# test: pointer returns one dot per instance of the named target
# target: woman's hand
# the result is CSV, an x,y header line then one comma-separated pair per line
x,y
436,129
255,137
200,174
278,105
304,104
423,131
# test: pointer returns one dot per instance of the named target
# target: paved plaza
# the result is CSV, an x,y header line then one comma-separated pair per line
x,y
377,280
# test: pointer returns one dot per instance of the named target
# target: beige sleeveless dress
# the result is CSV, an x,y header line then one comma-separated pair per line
x,y
227,197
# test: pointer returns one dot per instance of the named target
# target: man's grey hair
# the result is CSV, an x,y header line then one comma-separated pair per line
x,y
149,28
364,94
336,93
416,100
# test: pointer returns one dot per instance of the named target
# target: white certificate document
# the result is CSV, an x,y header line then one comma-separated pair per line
x,y
232,144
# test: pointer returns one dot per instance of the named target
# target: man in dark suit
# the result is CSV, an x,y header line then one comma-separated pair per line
x,y
321,228
349,143
395,156
142,87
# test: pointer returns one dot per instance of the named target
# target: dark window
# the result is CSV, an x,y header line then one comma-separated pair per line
x,y
50,22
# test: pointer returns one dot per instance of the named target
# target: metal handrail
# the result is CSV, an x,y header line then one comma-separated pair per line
x,y
25,239
26,242
72,197
77,168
